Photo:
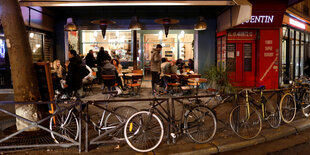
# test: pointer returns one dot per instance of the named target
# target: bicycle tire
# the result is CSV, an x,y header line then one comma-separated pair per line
x,y
306,104
71,129
204,119
254,122
142,125
273,114
287,104
113,120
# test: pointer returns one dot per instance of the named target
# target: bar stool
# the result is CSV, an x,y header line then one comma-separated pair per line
x,y
109,81
136,82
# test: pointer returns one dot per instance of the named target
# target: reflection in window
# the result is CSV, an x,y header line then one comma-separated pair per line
x,y
231,57
247,50
36,45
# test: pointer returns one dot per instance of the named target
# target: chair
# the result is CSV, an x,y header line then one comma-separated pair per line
x,y
193,76
139,71
136,82
109,81
173,83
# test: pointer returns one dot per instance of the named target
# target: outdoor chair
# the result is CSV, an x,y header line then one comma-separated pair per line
x,y
109,82
136,82
173,84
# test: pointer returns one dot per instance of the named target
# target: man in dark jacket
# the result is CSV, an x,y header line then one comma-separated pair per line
x,y
74,78
90,59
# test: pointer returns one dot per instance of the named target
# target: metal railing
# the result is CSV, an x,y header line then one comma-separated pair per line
x,y
16,139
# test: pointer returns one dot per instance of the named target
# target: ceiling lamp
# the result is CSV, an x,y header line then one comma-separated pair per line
x,y
166,22
201,24
135,24
103,23
70,26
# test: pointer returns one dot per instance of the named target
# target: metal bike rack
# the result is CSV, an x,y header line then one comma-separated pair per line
x,y
96,140
17,140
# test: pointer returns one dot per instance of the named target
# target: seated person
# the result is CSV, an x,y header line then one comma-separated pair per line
x,y
118,67
89,77
165,69
109,69
190,64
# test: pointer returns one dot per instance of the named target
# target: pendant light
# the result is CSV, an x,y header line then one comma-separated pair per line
x,y
103,23
70,26
167,23
135,24
201,24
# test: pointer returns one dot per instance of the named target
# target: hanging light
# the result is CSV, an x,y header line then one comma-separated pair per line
x,y
201,24
135,24
103,23
166,22
70,26
31,34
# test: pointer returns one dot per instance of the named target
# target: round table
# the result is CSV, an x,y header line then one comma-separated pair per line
x,y
197,81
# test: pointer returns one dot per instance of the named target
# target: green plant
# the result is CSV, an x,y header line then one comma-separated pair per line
x,y
218,79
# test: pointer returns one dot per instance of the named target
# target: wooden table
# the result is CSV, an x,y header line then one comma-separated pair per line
x,y
197,81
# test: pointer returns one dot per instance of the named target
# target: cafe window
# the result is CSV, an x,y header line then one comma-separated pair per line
x,y
36,45
116,42
178,44
294,46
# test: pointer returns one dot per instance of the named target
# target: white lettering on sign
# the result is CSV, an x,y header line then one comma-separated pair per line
x,y
240,34
268,42
268,48
297,24
268,54
260,19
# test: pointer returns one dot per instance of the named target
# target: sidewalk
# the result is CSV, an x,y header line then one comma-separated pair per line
x,y
224,140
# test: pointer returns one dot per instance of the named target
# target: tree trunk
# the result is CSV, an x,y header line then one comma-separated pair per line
x,y
25,82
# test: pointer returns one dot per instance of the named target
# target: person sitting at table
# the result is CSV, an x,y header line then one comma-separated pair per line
x,y
109,69
190,64
58,72
180,65
119,69
165,68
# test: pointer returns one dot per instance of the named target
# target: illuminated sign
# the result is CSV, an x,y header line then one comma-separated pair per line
x,y
2,49
298,24
260,19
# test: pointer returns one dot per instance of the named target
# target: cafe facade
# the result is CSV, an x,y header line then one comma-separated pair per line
x,y
269,49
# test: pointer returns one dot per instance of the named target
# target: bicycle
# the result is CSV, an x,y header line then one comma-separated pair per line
x,y
111,121
144,130
298,97
65,121
246,120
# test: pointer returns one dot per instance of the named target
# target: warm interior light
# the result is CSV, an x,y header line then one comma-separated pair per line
x,y
160,35
70,26
31,34
95,34
201,24
38,45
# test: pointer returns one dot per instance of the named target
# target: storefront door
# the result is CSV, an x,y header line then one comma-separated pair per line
x,y
241,63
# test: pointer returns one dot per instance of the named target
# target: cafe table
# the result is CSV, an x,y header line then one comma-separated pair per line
x,y
197,81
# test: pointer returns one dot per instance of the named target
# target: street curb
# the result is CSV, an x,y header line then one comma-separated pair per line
x,y
287,129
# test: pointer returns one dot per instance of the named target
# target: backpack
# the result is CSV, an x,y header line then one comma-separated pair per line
x,y
84,71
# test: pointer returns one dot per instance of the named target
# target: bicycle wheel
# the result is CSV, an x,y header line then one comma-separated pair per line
x,y
69,128
306,104
273,114
113,121
143,131
246,126
287,108
200,124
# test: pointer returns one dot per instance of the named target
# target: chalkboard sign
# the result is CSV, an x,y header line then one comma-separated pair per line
x,y
44,76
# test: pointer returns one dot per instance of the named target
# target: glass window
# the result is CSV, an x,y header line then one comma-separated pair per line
x,y
115,42
297,63
247,52
231,57
36,45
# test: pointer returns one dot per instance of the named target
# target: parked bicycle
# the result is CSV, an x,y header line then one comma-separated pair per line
x,y
246,120
65,122
144,130
111,121
298,97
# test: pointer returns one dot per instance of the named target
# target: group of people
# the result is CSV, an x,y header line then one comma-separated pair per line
x,y
161,66
79,71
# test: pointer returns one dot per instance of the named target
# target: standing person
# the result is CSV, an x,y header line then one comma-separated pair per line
x,y
155,65
90,59
74,77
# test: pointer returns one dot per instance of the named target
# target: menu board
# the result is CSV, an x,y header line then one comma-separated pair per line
x,y
44,76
